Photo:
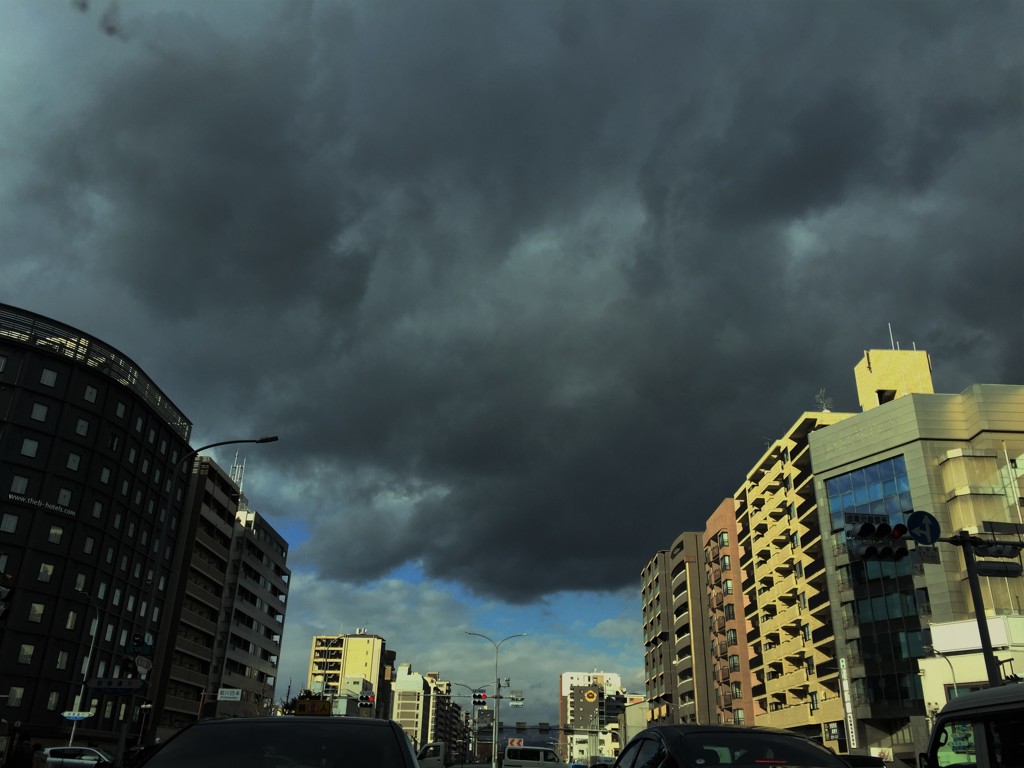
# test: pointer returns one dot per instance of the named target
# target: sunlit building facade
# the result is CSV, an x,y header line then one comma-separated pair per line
x,y
791,634
591,705
728,626
956,457
335,660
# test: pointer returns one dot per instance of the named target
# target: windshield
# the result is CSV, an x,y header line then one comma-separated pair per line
x,y
756,749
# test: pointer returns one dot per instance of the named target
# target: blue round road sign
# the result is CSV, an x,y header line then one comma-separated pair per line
x,y
923,527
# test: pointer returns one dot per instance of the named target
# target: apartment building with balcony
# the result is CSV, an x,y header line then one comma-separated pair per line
x,y
334,659
958,457
213,501
791,635
252,616
410,704
677,663
728,626
590,707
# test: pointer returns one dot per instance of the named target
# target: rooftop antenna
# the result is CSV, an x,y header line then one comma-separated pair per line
x,y
238,472
892,342
824,402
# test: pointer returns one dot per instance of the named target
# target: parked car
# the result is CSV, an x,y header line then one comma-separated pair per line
x,y
77,757
286,742
707,745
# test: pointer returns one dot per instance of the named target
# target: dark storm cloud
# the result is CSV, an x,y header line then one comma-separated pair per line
x,y
524,287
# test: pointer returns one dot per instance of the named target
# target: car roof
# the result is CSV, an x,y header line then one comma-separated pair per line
x,y
335,721
673,733
1000,696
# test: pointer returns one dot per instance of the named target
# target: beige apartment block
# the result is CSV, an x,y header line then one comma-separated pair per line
x,y
336,660
791,636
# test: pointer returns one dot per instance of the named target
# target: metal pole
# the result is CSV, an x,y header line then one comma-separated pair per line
x,y
497,693
991,666
85,672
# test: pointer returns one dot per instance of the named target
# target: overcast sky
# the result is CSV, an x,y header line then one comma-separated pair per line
x,y
523,287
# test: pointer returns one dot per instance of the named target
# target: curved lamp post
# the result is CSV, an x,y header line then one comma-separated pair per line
x,y
497,693
196,451
952,672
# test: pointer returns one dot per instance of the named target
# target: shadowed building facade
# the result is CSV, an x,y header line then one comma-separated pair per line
x,y
91,516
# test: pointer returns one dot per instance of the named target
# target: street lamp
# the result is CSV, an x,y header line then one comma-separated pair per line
x,y
952,673
497,692
195,451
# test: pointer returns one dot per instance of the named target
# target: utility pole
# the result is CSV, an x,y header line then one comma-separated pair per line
x,y
968,544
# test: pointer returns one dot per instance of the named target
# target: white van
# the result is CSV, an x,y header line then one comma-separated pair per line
x,y
530,757
435,755
982,728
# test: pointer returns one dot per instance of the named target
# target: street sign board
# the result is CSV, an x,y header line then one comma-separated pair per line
x,y
116,685
312,707
515,742
923,528
75,715
229,694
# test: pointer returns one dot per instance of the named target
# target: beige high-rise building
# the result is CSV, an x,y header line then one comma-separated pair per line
x,y
786,599
338,663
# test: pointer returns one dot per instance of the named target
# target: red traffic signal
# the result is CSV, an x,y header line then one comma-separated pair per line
x,y
879,541
479,699
366,699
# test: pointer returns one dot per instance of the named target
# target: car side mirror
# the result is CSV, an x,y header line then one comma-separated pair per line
x,y
922,760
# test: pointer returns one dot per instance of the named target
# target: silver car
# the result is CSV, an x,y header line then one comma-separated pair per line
x,y
78,757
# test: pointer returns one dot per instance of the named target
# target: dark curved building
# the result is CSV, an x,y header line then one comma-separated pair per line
x,y
93,481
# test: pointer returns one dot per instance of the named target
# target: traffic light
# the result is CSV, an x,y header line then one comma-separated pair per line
x,y
365,699
993,549
479,699
6,593
879,541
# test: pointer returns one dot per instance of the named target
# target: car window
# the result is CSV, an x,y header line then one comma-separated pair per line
x,y
628,755
651,754
752,748
956,741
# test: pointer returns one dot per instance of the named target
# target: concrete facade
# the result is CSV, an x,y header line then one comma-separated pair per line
x,y
252,617
956,457
335,658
